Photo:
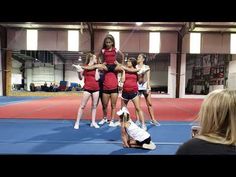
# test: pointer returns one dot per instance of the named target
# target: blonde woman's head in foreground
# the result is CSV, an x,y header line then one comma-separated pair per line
x,y
217,117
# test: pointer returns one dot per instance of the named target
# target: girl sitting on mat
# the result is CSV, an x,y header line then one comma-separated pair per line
x,y
132,135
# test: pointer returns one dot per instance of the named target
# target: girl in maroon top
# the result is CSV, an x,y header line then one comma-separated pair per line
x,y
108,57
109,54
111,68
91,89
130,88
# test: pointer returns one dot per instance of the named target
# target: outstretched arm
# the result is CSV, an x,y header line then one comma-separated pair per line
x,y
132,70
92,67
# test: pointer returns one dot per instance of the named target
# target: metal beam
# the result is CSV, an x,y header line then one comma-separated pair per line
x,y
91,32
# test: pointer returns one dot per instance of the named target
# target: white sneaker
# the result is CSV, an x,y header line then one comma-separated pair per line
x,y
144,127
154,122
137,123
76,126
112,124
103,121
150,146
95,125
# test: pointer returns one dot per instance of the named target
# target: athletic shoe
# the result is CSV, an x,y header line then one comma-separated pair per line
x,y
103,121
137,123
150,146
154,122
144,127
76,126
112,124
95,125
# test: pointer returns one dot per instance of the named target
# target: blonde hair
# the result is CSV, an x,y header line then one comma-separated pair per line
x,y
89,56
217,117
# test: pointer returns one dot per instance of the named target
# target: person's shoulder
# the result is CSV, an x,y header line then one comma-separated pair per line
x,y
189,146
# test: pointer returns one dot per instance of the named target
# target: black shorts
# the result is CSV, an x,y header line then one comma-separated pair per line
x,y
128,96
110,91
91,91
146,141
144,92
111,67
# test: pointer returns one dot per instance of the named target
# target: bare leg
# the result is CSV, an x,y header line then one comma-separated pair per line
x,y
84,101
114,97
149,105
95,98
105,101
138,119
138,109
150,109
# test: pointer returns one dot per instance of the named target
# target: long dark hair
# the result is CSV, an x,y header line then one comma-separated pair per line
x,y
109,36
133,61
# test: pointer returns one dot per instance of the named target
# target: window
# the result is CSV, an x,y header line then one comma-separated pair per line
x,y
195,42
232,43
32,39
116,36
73,40
154,42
